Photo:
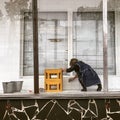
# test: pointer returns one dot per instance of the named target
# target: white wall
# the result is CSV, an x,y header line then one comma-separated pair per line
x,y
66,5
10,37
9,50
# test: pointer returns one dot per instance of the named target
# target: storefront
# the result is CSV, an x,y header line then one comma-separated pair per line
x,y
83,29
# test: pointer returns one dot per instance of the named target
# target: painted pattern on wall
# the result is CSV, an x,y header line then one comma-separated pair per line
x,y
58,109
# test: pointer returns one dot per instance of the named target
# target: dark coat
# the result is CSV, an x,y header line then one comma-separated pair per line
x,y
85,73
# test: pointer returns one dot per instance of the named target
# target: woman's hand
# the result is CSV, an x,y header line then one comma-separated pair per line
x,y
70,79
73,78
64,69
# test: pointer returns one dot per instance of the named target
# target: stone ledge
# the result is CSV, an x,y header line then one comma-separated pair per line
x,y
62,95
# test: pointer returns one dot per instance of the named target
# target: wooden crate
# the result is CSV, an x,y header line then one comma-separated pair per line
x,y
53,80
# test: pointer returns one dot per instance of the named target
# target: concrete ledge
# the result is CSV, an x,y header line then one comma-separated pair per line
x,y
62,95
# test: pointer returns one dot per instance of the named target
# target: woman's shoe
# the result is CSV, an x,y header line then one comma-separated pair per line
x,y
99,87
84,89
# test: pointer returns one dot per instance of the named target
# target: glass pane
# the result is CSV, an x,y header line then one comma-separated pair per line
x,y
88,39
28,45
52,36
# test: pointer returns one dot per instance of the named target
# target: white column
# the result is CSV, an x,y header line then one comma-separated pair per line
x,y
70,36
105,54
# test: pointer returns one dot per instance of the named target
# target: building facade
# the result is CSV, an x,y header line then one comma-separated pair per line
x,y
66,29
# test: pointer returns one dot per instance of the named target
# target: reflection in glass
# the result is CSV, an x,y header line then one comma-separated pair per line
x,y
52,35
88,39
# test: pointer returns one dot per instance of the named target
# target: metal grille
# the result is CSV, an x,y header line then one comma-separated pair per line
x,y
53,42
88,40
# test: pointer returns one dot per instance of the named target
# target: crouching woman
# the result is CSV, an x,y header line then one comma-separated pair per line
x,y
85,74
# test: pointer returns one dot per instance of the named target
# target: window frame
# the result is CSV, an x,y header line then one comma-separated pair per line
x,y
70,51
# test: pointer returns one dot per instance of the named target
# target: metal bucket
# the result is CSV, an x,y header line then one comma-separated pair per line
x,y
8,87
13,86
18,85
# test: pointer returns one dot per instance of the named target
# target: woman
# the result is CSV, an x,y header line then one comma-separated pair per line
x,y
85,74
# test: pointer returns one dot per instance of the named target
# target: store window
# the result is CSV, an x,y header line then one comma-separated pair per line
x,y
52,38
88,40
